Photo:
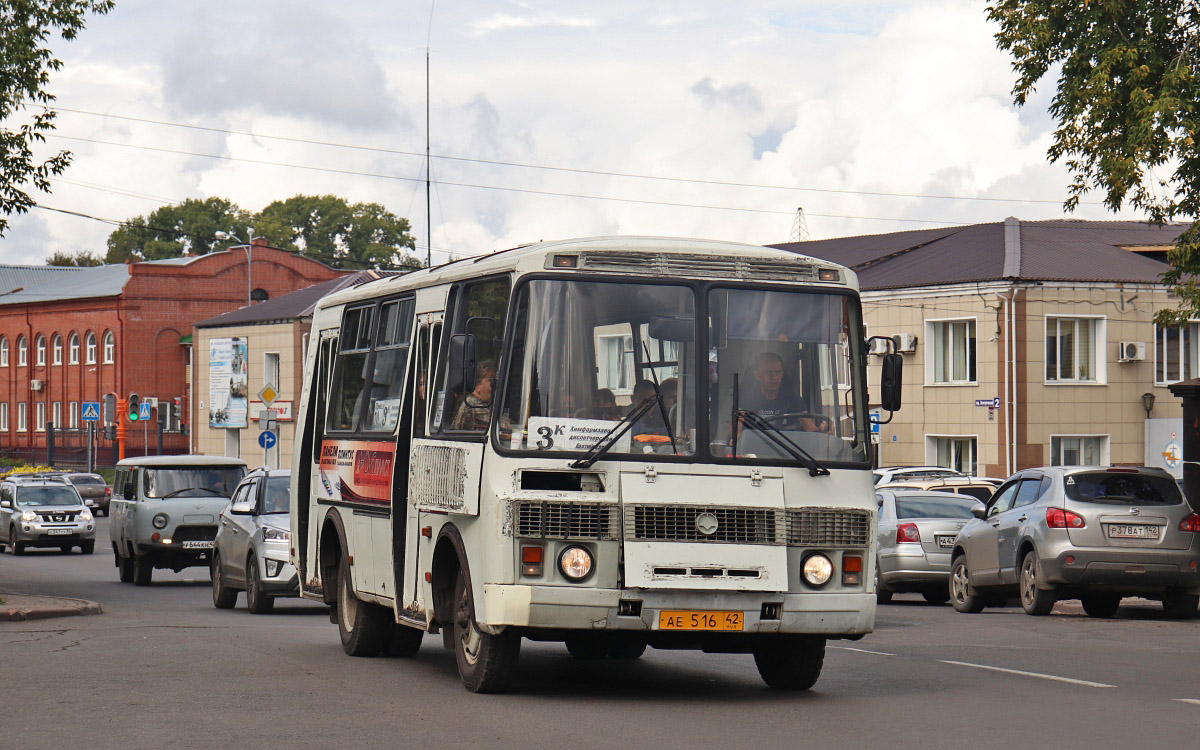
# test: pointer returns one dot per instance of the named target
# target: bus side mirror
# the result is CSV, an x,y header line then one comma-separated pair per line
x,y
461,367
890,381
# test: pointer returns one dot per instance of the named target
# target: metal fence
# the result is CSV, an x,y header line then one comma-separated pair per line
x,y
68,448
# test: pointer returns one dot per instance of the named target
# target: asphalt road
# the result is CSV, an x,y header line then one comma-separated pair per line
x,y
161,668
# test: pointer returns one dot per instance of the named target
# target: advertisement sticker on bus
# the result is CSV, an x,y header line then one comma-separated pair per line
x,y
357,471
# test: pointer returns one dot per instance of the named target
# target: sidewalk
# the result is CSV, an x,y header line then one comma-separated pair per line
x,y
19,607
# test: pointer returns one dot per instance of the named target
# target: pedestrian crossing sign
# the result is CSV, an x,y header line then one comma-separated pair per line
x,y
143,411
89,411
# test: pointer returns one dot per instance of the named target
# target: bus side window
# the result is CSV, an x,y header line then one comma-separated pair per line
x,y
479,310
350,376
420,398
316,424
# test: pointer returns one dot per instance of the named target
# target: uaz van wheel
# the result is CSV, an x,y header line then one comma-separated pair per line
x,y
363,626
486,662
143,570
125,568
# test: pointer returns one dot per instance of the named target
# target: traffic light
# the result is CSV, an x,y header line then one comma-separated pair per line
x,y
132,406
110,408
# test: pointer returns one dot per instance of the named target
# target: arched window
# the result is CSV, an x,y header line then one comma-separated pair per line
x,y
22,351
3,351
39,346
110,348
56,350
89,343
73,349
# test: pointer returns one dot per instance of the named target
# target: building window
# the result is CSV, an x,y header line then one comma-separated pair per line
x,y
3,351
73,349
951,357
56,349
615,362
271,369
1078,450
40,350
73,417
90,348
56,415
1071,346
233,443
3,416
21,417
1174,354
110,348
953,452
22,351
40,424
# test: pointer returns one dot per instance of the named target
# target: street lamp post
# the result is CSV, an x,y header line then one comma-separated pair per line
x,y
220,235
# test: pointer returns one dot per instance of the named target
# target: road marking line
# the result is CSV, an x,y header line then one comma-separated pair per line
x,y
1056,678
863,651
1192,701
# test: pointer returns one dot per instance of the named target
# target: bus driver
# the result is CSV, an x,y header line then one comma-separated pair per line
x,y
771,401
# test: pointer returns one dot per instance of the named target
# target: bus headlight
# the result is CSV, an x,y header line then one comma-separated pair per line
x,y
159,520
817,570
575,563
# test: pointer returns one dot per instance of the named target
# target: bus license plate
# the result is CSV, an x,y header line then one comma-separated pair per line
x,y
1132,531
197,545
690,619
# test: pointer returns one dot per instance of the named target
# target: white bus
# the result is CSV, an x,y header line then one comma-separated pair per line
x,y
612,443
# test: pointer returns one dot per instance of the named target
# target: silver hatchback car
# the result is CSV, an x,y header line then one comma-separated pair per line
x,y
252,552
1091,533
916,534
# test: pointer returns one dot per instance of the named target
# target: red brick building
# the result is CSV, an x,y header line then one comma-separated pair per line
x,y
70,335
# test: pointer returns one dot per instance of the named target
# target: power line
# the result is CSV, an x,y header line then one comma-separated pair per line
x,y
574,170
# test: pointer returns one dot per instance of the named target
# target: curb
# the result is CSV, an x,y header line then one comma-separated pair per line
x,y
45,608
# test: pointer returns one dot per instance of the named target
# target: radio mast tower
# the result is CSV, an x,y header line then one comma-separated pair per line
x,y
799,227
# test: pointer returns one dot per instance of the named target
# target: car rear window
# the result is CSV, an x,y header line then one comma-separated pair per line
x,y
929,507
1122,489
85,479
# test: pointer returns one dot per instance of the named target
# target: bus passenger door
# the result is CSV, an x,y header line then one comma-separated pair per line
x,y
308,476
428,337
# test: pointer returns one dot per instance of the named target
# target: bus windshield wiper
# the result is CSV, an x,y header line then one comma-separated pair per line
x,y
610,438
781,440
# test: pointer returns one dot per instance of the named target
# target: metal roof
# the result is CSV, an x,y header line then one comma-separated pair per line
x,y
76,283
1059,250
188,460
293,306
24,277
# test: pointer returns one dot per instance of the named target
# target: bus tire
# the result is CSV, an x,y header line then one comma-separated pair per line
x,y
486,663
587,647
791,662
626,650
404,641
363,626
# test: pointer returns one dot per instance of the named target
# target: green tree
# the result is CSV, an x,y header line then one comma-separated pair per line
x,y
81,258
344,235
25,66
1126,108
174,231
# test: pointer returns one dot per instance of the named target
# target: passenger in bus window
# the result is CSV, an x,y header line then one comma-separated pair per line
x,y
604,406
670,392
769,399
475,411
651,422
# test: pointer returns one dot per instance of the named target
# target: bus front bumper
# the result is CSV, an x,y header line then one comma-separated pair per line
x,y
833,614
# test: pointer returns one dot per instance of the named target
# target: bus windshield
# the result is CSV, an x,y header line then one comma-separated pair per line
x,y
586,354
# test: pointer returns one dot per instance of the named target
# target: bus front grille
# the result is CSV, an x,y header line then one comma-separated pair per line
x,y
828,527
698,523
566,520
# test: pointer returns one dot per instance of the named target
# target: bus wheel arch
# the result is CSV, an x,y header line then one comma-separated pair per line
x,y
332,546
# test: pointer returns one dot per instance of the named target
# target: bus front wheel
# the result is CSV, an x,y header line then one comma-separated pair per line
x,y
791,662
486,663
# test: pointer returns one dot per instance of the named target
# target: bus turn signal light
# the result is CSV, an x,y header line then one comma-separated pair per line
x,y
531,561
851,570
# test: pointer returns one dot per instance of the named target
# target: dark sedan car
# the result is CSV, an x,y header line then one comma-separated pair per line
x,y
93,488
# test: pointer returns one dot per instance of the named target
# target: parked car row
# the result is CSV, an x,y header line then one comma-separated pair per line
x,y
1090,533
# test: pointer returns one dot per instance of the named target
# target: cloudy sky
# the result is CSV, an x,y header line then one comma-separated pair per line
x,y
550,118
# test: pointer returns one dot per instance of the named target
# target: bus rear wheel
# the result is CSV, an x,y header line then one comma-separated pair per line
x,y
363,626
791,662
486,662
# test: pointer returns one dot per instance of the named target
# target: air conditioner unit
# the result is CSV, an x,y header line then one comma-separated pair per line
x,y
877,346
1132,351
37,385
905,342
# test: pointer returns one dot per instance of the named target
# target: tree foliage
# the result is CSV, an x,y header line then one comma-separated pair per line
x,y
25,66
350,235
81,258
174,231
1126,106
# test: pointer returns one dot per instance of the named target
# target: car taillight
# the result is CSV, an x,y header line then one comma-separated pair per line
x,y
907,532
1191,523
1059,518
107,491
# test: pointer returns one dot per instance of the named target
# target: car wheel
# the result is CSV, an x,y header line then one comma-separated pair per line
x,y
223,596
404,641
961,597
125,568
16,547
486,663
256,601
1035,601
363,626
88,548
791,662
587,648
1180,606
883,594
1100,605
143,570
936,596
626,650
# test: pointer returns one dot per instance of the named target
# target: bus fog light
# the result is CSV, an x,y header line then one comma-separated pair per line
x,y
817,570
575,563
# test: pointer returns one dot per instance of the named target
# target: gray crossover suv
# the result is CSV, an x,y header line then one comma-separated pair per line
x,y
252,544
1091,533
44,511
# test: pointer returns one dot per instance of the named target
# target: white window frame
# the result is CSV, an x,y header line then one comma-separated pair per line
x,y
56,415
1105,445
931,325
73,417
1187,360
233,443
931,453
22,417
1099,349
22,351
3,351
110,348
39,348
89,347
39,418
56,350
73,349
3,416
272,368
602,361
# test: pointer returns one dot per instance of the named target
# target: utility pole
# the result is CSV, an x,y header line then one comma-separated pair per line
x,y
428,166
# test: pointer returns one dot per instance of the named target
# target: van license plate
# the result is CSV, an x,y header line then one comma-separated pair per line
x,y
196,545
1132,531
689,619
